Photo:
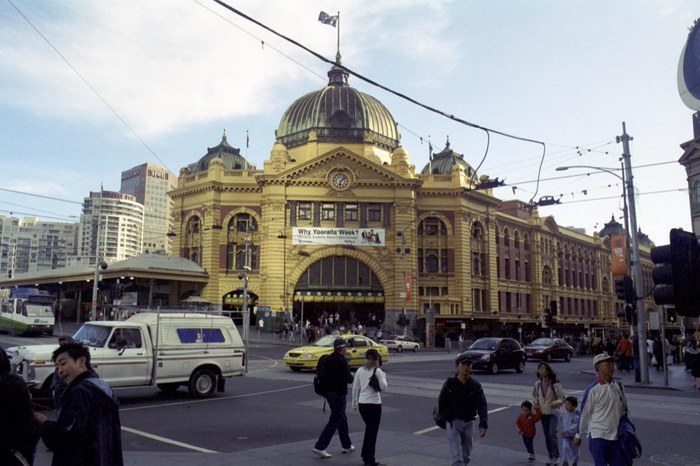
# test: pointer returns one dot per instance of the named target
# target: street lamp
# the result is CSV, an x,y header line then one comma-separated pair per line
x,y
631,221
93,312
403,251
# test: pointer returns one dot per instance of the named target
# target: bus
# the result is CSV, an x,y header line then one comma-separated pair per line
x,y
26,311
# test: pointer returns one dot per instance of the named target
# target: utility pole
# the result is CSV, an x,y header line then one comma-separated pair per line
x,y
636,264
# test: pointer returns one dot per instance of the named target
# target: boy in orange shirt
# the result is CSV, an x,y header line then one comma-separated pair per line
x,y
525,425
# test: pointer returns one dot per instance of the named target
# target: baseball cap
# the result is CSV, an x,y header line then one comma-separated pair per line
x,y
463,358
600,358
339,343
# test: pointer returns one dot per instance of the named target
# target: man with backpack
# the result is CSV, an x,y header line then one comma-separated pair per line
x,y
461,399
333,376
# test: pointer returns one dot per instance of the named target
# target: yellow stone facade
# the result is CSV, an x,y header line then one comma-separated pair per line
x,y
483,265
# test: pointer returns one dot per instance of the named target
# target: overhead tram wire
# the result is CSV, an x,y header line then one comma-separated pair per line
x,y
387,89
90,86
12,212
40,195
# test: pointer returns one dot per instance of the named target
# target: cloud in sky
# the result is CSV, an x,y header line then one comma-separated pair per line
x,y
178,72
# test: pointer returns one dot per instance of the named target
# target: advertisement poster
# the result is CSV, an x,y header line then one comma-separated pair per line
x,y
338,236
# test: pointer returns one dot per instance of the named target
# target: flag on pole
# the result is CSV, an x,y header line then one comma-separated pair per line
x,y
247,139
325,18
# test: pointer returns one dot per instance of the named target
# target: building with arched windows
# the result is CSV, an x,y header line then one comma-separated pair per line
x,y
339,222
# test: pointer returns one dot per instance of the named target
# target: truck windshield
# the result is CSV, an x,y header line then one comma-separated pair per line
x,y
92,335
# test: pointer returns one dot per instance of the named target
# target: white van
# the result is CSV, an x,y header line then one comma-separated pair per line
x,y
199,351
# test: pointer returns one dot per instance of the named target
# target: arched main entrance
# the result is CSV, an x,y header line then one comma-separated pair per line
x,y
339,291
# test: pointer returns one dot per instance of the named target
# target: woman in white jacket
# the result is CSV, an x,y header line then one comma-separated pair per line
x,y
369,401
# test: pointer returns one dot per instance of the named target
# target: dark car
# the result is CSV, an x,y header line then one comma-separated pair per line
x,y
494,354
547,349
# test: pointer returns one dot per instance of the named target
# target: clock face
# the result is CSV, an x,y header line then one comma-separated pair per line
x,y
340,181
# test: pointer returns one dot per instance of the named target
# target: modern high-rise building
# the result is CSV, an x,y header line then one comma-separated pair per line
x,y
111,227
149,184
30,245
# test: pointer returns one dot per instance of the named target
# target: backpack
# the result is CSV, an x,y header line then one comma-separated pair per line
x,y
321,378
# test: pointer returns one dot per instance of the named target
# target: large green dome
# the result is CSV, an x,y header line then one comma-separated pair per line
x,y
338,113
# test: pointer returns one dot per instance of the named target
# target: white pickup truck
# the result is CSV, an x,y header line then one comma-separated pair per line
x,y
166,350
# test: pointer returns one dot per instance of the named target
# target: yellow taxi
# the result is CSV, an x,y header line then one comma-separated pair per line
x,y
306,357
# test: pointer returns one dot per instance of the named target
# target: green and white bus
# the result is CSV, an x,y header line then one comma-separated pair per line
x,y
26,310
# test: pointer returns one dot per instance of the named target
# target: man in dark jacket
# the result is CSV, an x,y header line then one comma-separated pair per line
x,y
88,429
461,399
337,372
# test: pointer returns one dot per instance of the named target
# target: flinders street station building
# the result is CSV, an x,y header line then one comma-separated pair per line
x,y
339,222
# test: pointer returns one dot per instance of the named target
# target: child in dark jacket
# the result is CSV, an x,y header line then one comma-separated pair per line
x,y
525,425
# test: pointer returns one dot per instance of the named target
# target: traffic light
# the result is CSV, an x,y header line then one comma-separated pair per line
x,y
548,318
403,320
677,273
671,316
624,289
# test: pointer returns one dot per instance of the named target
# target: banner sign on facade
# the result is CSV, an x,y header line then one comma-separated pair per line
x,y
338,236
618,251
407,286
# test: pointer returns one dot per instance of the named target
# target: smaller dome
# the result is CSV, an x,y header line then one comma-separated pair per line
x,y
230,156
443,162
612,228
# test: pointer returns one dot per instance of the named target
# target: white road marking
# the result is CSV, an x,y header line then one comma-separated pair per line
x,y
166,440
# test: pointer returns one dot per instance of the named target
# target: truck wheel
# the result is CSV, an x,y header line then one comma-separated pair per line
x,y
168,387
202,383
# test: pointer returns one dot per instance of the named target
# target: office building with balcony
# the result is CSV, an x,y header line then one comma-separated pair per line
x,y
30,245
111,227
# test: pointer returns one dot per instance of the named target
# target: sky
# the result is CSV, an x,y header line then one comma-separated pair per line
x,y
89,89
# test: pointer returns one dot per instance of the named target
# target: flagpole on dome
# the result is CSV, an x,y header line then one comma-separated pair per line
x,y
430,156
337,53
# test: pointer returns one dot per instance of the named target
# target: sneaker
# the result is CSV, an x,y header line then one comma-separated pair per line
x,y
349,449
531,458
322,453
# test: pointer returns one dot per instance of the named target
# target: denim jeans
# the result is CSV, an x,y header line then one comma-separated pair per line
x,y
459,439
549,430
529,444
337,421
372,415
607,452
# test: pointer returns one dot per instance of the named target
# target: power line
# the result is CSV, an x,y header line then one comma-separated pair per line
x,y
40,195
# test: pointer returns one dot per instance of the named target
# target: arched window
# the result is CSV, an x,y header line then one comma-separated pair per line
x,y
193,225
477,231
516,240
526,242
241,242
506,237
547,276
431,261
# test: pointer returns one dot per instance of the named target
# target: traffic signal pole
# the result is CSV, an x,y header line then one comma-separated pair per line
x,y
636,264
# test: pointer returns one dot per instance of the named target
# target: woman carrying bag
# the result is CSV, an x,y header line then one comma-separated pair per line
x,y
369,381
547,396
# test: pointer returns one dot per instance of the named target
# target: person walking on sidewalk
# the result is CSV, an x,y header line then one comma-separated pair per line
x,y
366,396
337,375
525,425
547,396
603,405
461,399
